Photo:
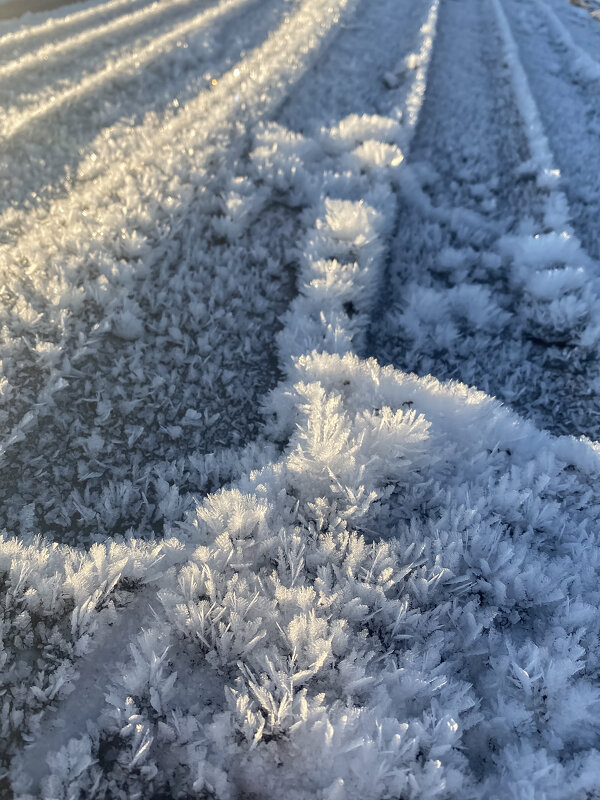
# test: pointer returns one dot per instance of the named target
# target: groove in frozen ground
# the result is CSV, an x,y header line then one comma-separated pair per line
x,y
346,172
40,167
19,122
548,68
16,38
115,374
484,290
102,264
368,76
103,38
572,28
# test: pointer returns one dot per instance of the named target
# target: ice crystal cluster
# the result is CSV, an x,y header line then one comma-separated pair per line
x,y
242,557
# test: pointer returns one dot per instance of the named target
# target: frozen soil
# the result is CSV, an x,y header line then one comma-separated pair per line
x,y
456,305
298,376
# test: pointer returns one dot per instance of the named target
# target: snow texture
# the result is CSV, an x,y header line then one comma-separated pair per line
x,y
263,537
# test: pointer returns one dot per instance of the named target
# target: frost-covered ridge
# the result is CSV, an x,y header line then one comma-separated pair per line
x,y
242,558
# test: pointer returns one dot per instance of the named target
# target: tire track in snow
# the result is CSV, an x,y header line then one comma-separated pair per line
x,y
549,70
44,56
45,165
113,147
571,26
19,123
583,65
16,42
473,300
118,650
347,167
369,77
119,313
86,700
35,755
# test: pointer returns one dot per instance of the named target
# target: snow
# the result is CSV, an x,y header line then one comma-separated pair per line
x,y
30,25
299,374
583,65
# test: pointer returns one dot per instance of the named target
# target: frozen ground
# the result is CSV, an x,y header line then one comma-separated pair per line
x,y
15,9
298,400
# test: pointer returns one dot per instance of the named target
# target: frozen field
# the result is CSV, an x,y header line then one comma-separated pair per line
x,y
299,419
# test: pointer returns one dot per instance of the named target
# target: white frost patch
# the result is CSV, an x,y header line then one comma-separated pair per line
x,y
19,121
403,601
348,173
583,65
54,50
383,661
541,156
572,314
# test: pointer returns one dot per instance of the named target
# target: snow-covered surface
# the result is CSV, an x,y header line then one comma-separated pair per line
x,y
259,541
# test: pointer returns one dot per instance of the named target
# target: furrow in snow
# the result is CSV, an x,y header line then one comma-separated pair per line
x,y
549,68
348,172
106,126
147,365
20,122
542,156
106,35
571,27
56,601
375,82
17,38
76,755
491,285
114,636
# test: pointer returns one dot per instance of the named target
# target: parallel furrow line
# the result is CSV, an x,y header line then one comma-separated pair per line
x,y
51,51
53,27
17,126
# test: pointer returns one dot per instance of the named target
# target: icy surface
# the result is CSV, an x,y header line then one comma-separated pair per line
x,y
261,538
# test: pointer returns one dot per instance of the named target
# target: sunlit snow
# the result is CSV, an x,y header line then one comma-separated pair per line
x,y
299,343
